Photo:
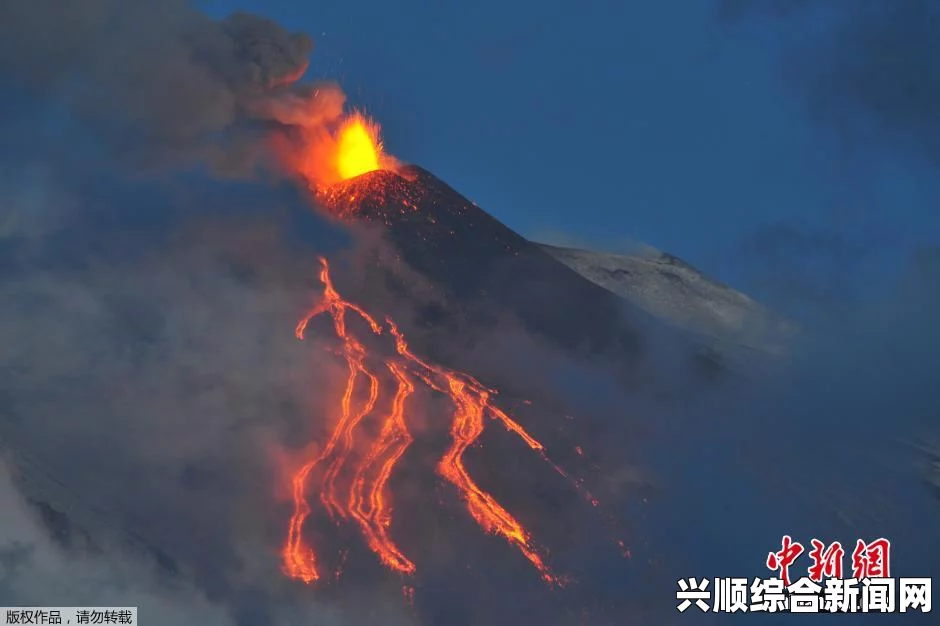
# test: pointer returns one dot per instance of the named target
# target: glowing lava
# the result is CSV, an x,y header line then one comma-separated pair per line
x,y
368,502
357,147
373,512
326,154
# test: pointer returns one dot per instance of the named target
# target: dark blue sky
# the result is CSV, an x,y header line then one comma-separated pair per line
x,y
603,121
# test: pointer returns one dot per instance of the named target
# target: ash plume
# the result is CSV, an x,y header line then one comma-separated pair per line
x,y
161,83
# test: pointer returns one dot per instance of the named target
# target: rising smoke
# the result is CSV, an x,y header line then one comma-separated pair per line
x,y
143,401
161,83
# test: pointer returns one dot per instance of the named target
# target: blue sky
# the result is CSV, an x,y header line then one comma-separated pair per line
x,y
600,122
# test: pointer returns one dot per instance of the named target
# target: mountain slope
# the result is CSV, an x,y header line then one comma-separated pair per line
x,y
484,269
178,348
672,290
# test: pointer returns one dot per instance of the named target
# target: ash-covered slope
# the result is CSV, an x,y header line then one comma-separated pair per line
x,y
484,269
148,379
673,290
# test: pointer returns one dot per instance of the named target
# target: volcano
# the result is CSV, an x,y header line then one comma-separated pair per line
x,y
482,273
504,517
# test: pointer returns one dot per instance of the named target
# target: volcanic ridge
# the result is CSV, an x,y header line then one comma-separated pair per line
x,y
484,266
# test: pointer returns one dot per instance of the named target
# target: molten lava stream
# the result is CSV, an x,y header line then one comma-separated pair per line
x,y
347,424
492,518
354,353
374,512
471,401
299,559
368,503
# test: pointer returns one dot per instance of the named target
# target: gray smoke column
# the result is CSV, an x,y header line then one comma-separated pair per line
x,y
160,82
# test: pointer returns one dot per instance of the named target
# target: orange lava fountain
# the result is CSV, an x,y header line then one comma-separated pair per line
x,y
342,150
358,147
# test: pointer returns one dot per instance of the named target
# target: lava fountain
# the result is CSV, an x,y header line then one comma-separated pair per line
x,y
359,149
325,155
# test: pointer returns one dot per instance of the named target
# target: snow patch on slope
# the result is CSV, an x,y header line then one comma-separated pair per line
x,y
676,292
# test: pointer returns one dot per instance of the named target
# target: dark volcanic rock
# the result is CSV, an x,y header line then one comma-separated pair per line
x,y
483,267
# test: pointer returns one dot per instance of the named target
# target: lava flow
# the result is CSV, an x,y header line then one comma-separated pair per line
x,y
367,502
354,149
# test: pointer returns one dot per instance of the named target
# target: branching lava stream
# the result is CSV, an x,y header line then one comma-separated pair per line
x,y
368,503
352,480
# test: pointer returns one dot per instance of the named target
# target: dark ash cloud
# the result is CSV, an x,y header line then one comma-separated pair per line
x,y
159,82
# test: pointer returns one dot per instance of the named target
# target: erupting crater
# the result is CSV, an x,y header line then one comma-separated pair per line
x,y
348,148
351,176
